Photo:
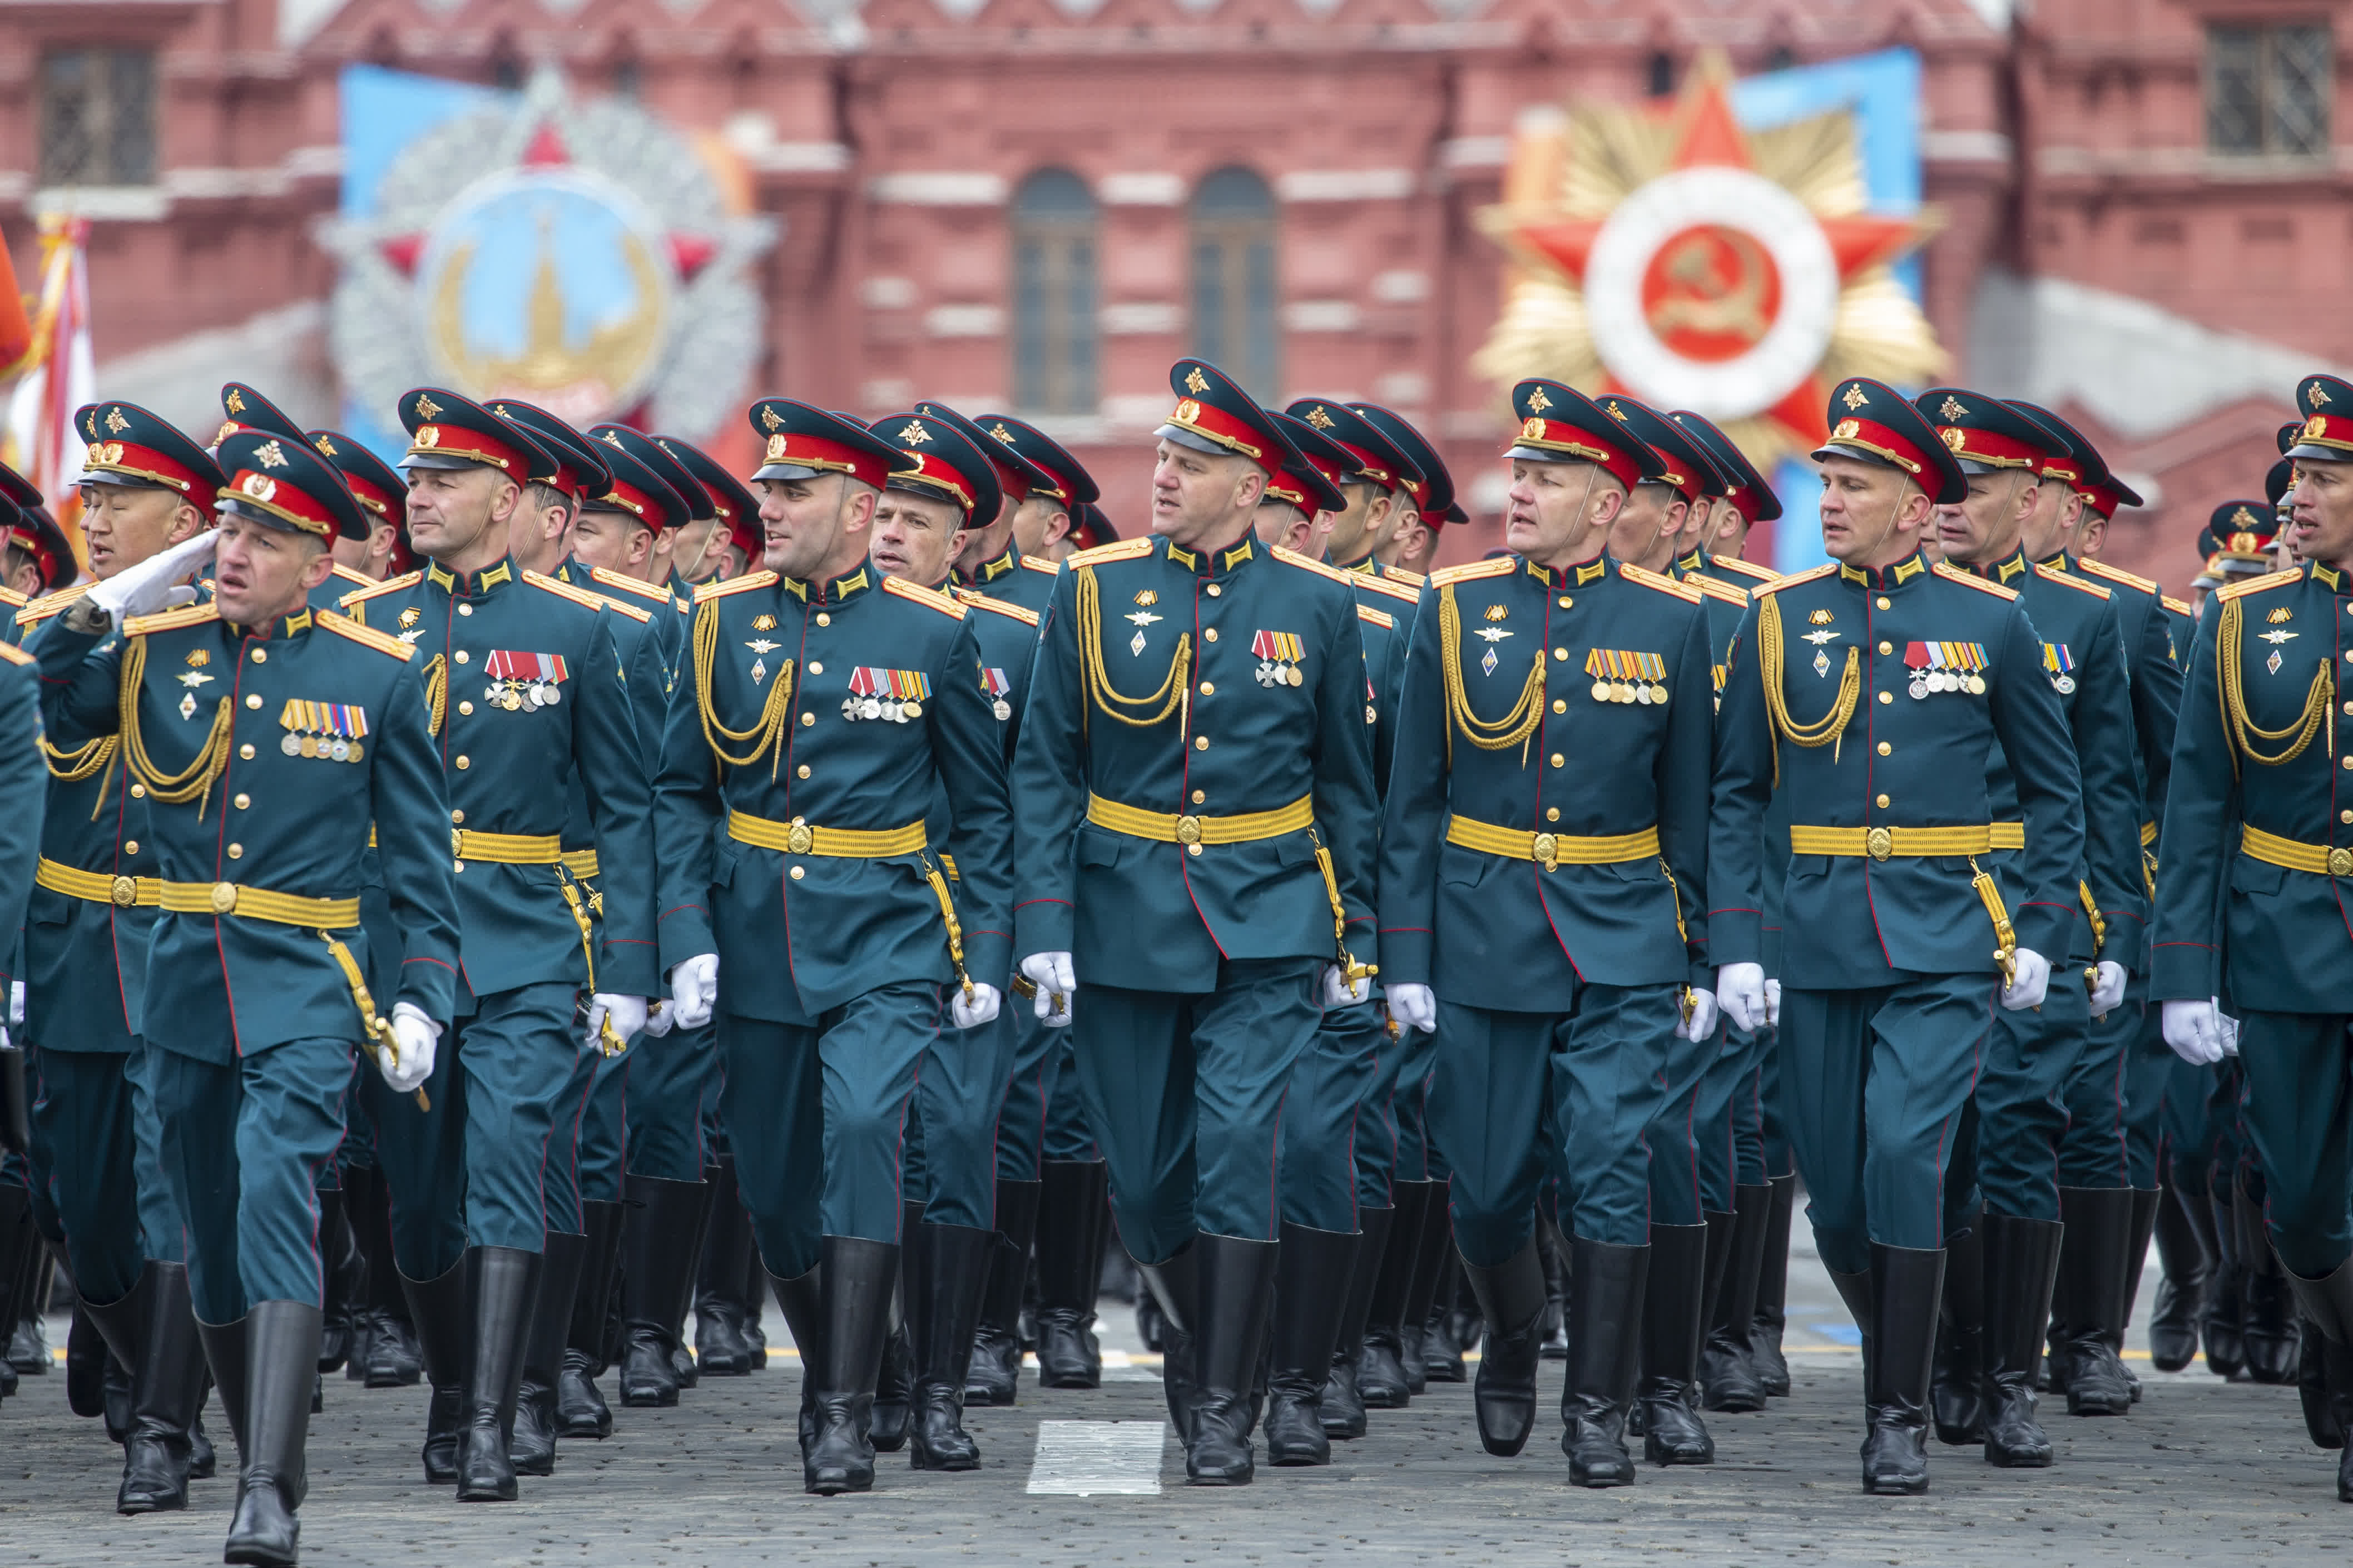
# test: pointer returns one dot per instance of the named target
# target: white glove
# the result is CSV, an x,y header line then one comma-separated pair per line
x,y
1772,1003
695,990
1701,1024
415,1037
1740,992
2030,982
1413,1007
626,1015
2230,1036
980,1008
2194,1030
662,1019
143,589
1057,984
2109,989
16,1003
1339,993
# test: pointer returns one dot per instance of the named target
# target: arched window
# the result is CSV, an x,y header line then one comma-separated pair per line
x,y
1054,294
1235,298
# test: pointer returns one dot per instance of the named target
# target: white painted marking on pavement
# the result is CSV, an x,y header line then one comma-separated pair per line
x,y
1098,1458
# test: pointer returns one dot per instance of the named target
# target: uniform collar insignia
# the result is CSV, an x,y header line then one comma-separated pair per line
x,y
1180,556
1368,567
842,587
1904,571
1591,569
440,576
473,583
2322,572
991,571
799,589
2063,561
1908,569
1854,574
1696,561
2015,566
1236,557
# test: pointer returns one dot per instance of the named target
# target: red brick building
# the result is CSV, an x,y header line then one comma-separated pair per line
x,y
1037,204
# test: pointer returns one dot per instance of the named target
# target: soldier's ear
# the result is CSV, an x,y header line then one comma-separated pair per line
x,y
188,520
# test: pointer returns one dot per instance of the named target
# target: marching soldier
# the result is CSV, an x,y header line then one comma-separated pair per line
x,y
147,491
2018,471
260,795
1195,774
1586,885
994,562
2247,910
1427,506
1919,671
550,706
824,714
35,555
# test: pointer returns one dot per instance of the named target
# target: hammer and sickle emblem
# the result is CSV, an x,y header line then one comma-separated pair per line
x,y
1716,286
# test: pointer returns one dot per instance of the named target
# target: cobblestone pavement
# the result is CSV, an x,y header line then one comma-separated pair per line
x,y
2201,1472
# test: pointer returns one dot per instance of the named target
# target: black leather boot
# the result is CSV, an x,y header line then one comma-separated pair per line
x,y
18,1241
2182,1263
224,1345
1072,1225
1672,1432
720,1347
388,1355
1607,1286
503,1282
2021,1261
2326,1306
87,1358
2266,1327
802,1297
1437,1245
996,1376
1236,1294
2225,1306
281,1368
1311,1290
855,1279
1955,1393
1906,1289
2144,1227
895,1382
2093,1257
167,1389
1174,1287
28,1341
346,1281
533,1448
752,1295
944,1304
658,1277
1773,1291
1504,1394
1441,1352
1728,1377
580,1407
1343,1406
440,1309
1380,1364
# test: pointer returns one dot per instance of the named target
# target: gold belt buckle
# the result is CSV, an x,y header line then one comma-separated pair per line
x,y
2340,862
224,898
124,892
1189,830
799,838
1544,850
457,843
1880,842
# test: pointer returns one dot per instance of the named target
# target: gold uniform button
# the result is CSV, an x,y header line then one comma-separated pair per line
x,y
464,763
463,657
261,656
465,609
457,816
1215,590
1887,647
797,873
1200,742
457,865
1208,688
1560,653
253,700
464,708
823,619
131,847
1883,802
1199,795
237,851
1883,601
1211,635
1557,760
2349,764
139,790
1884,749
1552,814
244,751
816,669
244,801
1559,706
1566,601
1886,697
2345,816
802,771
808,719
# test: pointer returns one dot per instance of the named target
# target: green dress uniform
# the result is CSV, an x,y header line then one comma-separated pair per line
x,y
260,781
527,686
1199,815
1891,922
2250,902
815,728
98,1141
1558,723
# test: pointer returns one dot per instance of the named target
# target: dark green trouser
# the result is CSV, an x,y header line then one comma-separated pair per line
x,y
1599,1071
2022,1108
2298,1106
952,1147
100,1140
1186,1092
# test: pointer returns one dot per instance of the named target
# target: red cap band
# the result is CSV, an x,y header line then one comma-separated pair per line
x,y
1574,441
144,463
475,446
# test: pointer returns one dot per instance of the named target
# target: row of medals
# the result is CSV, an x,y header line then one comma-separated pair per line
x,y
1629,691
1923,682
1271,673
514,695
889,708
333,747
